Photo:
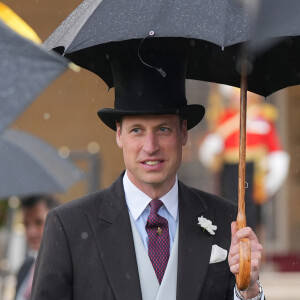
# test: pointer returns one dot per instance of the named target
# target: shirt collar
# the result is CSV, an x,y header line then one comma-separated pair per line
x,y
32,253
137,201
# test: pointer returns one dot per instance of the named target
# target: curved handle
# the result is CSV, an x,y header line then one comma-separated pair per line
x,y
243,277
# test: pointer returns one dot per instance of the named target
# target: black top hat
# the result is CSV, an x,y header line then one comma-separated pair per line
x,y
149,79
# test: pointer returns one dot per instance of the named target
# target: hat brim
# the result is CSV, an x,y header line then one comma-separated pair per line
x,y
193,113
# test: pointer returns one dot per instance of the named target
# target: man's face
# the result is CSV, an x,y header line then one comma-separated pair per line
x,y
34,220
152,150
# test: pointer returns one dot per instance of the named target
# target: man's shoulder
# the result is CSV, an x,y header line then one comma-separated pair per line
x,y
91,201
83,201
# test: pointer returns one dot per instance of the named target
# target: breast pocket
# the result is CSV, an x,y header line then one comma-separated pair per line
x,y
218,267
217,282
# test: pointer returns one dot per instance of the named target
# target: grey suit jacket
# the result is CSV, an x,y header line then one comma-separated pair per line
x,y
87,250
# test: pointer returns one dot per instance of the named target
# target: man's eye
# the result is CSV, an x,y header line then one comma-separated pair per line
x,y
163,129
136,130
39,222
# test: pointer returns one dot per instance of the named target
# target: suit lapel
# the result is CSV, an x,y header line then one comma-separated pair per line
x,y
24,271
113,234
194,244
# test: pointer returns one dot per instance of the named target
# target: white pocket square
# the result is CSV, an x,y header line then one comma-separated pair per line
x,y
218,254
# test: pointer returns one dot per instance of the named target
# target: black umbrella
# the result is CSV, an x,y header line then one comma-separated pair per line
x,y
275,46
277,21
273,56
26,69
222,22
29,165
211,26
215,30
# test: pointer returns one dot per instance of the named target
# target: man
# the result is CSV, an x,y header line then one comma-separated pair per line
x,y
34,209
139,238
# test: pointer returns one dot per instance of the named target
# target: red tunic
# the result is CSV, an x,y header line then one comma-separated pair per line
x,y
260,132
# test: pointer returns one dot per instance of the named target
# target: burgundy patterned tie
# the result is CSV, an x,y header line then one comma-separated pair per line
x,y
159,240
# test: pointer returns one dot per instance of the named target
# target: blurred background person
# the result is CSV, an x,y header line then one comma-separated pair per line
x,y
34,210
267,163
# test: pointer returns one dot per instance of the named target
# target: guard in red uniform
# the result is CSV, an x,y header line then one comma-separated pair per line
x,y
266,162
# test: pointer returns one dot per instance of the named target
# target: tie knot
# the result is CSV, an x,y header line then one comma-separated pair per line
x,y
155,205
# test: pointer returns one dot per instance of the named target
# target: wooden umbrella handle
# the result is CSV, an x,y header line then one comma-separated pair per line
x,y
243,277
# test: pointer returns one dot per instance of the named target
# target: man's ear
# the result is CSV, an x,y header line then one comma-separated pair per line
x,y
119,135
184,132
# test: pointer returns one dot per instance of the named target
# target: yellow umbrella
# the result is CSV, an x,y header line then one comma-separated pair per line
x,y
12,20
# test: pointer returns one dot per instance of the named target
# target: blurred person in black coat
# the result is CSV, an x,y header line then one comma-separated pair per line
x,y
34,209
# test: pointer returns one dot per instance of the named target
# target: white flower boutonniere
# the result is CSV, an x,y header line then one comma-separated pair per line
x,y
207,225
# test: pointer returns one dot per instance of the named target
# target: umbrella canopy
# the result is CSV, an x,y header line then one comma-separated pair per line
x,y
94,22
274,49
215,28
29,165
212,26
26,69
277,20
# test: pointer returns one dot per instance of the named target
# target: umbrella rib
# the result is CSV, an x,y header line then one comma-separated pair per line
x,y
72,25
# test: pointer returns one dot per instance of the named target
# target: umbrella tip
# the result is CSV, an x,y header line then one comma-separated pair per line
x,y
74,67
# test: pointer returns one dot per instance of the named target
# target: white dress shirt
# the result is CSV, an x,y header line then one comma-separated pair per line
x,y
138,206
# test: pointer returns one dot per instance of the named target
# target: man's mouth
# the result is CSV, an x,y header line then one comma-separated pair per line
x,y
152,162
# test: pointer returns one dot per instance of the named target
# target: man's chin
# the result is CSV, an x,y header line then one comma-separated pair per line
x,y
157,180
154,179
34,247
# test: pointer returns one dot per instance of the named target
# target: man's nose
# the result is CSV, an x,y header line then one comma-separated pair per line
x,y
151,144
31,230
